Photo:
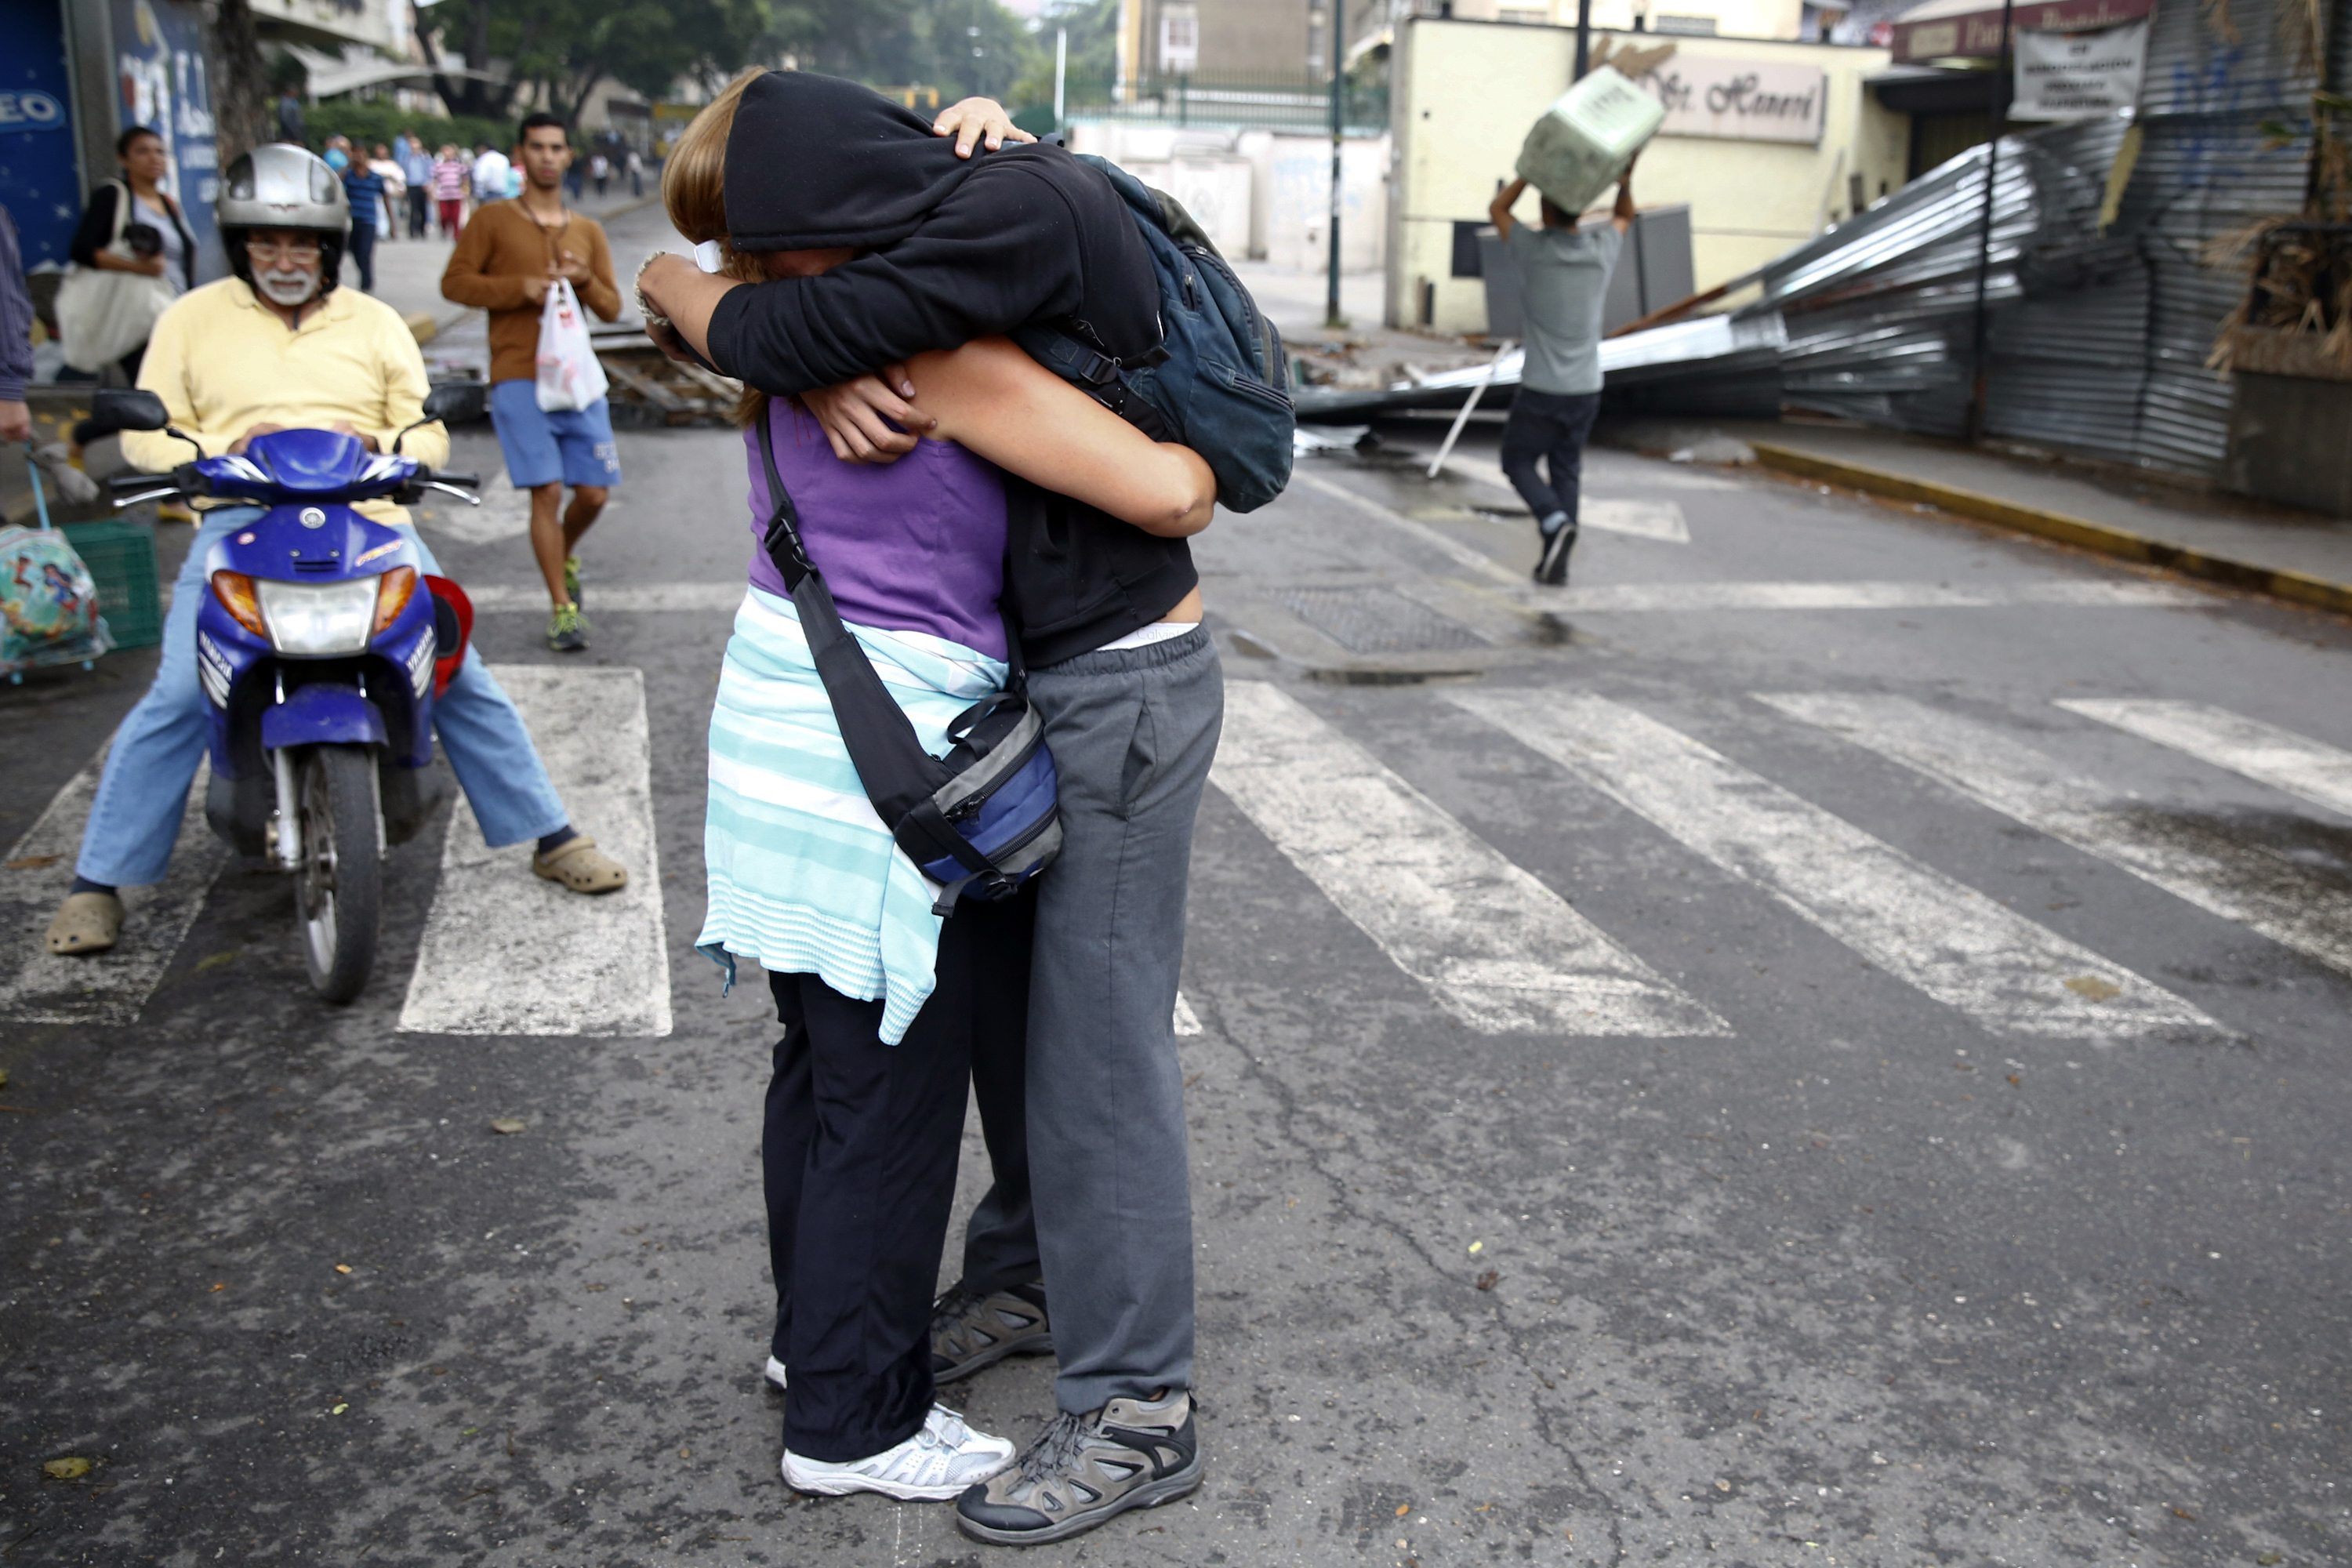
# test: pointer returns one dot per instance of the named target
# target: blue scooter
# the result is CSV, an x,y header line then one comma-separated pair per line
x,y
320,646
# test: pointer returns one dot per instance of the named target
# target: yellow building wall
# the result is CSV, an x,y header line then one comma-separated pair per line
x,y
1466,92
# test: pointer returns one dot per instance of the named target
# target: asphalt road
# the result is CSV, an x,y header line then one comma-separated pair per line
x,y
1717,1065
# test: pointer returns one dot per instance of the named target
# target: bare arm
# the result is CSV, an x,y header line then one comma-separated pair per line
x,y
1499,209
996,401
1622,213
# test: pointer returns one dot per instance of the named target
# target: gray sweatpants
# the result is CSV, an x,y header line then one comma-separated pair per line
x,y
1086,1136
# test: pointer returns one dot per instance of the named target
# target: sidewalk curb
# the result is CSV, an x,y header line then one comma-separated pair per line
x,y
2292,587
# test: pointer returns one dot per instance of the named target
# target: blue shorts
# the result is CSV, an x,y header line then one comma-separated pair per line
x,y
574,447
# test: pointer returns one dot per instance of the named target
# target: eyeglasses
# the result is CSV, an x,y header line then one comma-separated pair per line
x,y
268,250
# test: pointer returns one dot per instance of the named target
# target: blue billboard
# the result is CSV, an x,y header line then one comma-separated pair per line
x,y
39,185
159,77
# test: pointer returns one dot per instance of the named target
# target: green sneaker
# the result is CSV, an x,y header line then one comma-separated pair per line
x,y
566,632
572,580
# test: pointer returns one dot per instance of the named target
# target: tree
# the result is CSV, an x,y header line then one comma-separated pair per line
x,y
565,48
241,86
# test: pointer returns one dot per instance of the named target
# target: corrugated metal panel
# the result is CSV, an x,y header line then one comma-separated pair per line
x,y
2194,69
2339,45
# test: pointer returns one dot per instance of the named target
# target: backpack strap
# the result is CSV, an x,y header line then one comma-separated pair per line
x,y
899,776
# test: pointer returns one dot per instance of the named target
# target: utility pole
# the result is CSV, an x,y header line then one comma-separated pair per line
x,y
1338,14
1583,38
1979,371
1061,69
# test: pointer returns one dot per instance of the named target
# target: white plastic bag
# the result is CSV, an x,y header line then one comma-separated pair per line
x,y
569,375
103,315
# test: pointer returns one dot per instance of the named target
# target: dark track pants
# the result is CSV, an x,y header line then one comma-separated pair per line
x,y
1085,1136
859,1160
1552,426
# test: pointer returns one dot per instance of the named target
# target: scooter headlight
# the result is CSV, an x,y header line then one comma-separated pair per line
x,y
318,618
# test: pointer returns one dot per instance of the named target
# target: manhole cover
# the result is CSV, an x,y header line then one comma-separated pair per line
x,y
1375,620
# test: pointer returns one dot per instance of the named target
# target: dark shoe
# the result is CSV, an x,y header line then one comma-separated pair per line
x,y
1551,566
1084,1470
970,1331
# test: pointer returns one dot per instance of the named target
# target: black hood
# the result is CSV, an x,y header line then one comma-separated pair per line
x,y
815,161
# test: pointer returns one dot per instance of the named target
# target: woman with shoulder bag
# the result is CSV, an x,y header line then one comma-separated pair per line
x,y
883,1001
132,256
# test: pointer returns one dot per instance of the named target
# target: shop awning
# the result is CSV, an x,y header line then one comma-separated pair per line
x,y
1947,29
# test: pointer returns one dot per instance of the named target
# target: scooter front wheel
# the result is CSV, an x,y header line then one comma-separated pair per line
x,y
341,882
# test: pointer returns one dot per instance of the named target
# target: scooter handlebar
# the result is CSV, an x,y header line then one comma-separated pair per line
x,y
469,481
133,484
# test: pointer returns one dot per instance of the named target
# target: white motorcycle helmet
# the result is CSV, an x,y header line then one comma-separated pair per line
x,y
284,186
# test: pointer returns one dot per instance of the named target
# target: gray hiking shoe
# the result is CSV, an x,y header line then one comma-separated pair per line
x,y
970,1332
1084,1470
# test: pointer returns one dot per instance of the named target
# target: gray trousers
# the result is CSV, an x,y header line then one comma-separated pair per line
x,y
1085,1136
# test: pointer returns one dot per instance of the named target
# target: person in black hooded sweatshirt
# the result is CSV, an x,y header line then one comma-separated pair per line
x,y
1083,1245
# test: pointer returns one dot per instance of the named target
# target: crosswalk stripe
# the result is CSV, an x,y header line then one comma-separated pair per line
x,y
1445,544
628,598
1496,948
104,988
505,953
1967,951
1670,597
2280,758
2239,881
1660,522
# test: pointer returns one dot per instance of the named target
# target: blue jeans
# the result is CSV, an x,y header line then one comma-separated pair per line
x,y
135,819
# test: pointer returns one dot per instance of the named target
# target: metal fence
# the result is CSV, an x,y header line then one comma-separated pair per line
x,y
1295,101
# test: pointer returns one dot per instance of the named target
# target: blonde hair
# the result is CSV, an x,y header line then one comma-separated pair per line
x,y
694,192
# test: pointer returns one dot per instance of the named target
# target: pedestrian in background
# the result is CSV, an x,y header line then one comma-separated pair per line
x,y
600,169
364,187
16,340
133,225
450,175
1564,281
505,263
289,117
416,170
337,155
635,163
490,169
386,167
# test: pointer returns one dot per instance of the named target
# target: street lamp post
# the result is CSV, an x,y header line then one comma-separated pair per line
x,y
1338,15
1583,38
1979,371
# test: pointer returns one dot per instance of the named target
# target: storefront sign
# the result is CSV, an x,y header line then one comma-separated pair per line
x,y
38,183
1976,33
2078,76
159,72
1742,100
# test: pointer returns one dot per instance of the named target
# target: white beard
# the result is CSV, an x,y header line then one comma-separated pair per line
x,y
289,290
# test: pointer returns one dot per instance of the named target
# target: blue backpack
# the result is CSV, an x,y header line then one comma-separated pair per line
x,y
1218,382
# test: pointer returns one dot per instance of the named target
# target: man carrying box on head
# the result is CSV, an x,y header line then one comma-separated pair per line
x,y
507,259
1564,281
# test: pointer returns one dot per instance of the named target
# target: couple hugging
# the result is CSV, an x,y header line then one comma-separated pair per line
x,y
974,515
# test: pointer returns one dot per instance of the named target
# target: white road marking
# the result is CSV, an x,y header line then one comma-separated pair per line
x,y
108,987
2280,758
1187,1021
1445,544
1672,597
655,599
505,513
1652,476
1497,949
1661,522
1967,951
2242,882
505,953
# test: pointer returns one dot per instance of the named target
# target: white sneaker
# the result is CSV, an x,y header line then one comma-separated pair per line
x,y
935,1465
775,1374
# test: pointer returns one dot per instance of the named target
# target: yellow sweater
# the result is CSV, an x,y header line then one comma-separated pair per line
x,y
223,362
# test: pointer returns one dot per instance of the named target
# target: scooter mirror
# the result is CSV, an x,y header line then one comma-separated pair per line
x,y
128,408
457,402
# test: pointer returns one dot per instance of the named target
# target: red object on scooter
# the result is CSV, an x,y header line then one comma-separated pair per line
x,y
453,625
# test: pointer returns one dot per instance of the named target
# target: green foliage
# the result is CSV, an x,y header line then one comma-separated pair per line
x,y
369,124
567,48
1093,51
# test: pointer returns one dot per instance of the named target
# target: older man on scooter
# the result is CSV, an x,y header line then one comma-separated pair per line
x,y
279,346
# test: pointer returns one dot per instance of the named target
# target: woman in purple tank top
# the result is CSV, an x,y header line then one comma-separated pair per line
x,y
882,1004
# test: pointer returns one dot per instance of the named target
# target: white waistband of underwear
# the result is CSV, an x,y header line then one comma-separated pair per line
x,y
1144,636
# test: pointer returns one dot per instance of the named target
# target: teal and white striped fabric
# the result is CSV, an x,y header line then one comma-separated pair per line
x,y
803,877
